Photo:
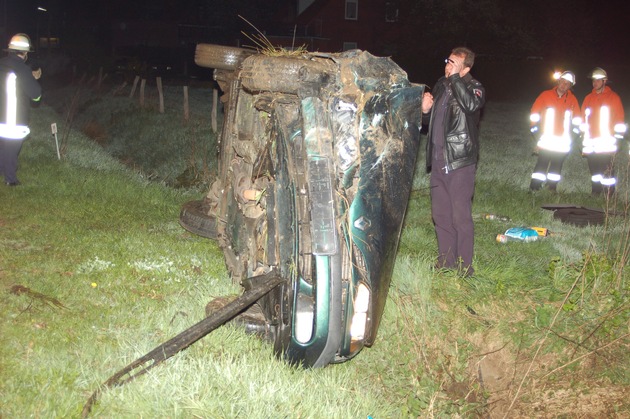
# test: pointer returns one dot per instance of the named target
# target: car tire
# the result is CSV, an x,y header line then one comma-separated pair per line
x,y
260,74
194,218
219,56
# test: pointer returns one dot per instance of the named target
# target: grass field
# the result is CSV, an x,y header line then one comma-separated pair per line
x,y
95,271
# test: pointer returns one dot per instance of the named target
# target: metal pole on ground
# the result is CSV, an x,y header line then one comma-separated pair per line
x,y
53,129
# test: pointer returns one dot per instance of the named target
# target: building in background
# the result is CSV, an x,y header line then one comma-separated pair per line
x,y
339,25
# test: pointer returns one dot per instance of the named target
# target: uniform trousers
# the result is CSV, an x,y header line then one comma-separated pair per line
x,y
547,169
601,166
9,152
451,207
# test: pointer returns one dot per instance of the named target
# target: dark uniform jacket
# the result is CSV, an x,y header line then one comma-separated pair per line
x,y
461,122
28,88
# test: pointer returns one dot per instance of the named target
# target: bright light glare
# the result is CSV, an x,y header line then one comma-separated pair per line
x,y
357,329
362,299
304,326
359,319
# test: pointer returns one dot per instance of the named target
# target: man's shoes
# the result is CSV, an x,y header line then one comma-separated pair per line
x,y
12,183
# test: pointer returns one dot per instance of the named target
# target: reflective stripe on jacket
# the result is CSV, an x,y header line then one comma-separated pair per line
x,y
603,121
552,118
10,129
18,88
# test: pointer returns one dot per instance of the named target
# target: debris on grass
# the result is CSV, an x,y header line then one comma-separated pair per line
x,y
21,289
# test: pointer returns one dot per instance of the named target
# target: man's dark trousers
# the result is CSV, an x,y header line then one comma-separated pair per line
x,y
451,202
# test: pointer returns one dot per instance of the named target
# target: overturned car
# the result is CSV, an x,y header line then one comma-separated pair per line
x,y
316,161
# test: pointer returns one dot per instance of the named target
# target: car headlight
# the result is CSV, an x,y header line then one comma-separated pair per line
x,y
359,318
304,316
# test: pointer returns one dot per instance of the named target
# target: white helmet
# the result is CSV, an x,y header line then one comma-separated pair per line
x,y
599,74
20,42
568,76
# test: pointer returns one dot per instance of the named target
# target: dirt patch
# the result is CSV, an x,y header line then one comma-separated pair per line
x,y
96,132
595,402
516,386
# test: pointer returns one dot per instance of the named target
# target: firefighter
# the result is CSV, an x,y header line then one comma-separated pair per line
x,y
603,124
555,120
18,86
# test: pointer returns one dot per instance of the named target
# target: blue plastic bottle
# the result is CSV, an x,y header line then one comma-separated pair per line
x,y
523,234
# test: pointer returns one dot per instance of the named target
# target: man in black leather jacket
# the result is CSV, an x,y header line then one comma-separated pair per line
x,y
452,113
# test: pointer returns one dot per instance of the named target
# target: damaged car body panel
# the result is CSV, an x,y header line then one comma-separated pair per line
x,y
316,161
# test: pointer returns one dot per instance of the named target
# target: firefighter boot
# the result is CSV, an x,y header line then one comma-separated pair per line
x,y
596,189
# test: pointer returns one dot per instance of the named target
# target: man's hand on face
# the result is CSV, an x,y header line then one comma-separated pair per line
x,y
456,66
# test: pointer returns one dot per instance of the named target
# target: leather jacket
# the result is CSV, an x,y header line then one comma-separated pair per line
x,y
461,121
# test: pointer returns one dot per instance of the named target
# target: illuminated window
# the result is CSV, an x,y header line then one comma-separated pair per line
x,y
352,9
45,42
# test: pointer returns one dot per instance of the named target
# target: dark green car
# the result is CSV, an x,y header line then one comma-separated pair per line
x,y
316,161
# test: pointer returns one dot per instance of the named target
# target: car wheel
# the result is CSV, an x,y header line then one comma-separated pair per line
x,y
194,218
219,56
260,73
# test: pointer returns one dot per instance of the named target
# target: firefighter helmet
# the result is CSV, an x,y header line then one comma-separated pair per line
x,y
599,74
568,76
20,42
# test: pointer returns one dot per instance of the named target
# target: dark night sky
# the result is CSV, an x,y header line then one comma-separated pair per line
x,y
569,34
586,27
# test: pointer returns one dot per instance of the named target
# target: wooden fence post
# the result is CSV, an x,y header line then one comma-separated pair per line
x,y
186,108
143,83
133,88
213,117
158,80
120,88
